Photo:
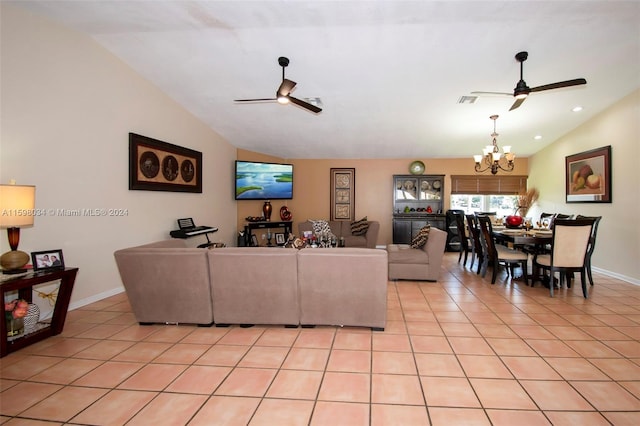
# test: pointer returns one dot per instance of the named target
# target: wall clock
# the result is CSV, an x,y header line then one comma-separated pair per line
x,y
416,168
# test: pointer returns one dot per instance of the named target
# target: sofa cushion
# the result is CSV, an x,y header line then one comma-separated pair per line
x,y
320,226
404,253
360,227
421,237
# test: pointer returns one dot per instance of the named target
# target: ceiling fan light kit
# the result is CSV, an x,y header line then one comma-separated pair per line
x,y
283,94
522,91
491,158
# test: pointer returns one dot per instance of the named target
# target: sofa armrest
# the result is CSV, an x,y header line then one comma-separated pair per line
x,y
435,246
372,234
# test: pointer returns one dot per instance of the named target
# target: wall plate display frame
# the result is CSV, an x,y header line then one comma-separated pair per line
x,y
343,194
160,166
588,176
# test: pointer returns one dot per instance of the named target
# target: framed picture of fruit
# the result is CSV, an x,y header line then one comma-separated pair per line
x,y
588,176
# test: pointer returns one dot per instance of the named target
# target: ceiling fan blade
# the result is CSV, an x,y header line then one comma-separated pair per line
x,y
492,93
516,104
286,87
255,100
304,104
558,85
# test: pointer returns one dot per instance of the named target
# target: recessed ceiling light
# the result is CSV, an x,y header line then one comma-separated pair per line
x,y
577,109
537,137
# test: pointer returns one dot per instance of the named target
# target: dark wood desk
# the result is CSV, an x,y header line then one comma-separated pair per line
x,y
24,285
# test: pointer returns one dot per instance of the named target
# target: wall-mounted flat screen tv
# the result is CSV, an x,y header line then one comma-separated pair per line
x,y
263,181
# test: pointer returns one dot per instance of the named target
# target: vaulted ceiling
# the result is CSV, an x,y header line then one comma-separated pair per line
x,y
389,74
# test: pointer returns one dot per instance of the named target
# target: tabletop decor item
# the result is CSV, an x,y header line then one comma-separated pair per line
x,y
266,210
31,318
525,200
14,312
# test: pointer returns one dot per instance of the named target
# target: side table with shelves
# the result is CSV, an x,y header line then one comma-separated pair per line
x,y
24,285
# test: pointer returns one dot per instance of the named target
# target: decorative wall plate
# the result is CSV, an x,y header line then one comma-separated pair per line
x,y
416,167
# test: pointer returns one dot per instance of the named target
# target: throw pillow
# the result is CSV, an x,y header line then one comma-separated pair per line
x,y
360,227
421,237
320,226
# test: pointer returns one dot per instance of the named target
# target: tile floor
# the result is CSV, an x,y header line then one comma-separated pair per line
x,y
457,352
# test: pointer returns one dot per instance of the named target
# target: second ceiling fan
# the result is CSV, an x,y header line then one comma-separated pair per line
x,y
283,94
521,90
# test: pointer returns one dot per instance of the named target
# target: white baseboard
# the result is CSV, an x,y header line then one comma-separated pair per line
x,y
630,280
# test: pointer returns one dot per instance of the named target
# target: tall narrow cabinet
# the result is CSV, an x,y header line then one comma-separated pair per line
x,y
417,201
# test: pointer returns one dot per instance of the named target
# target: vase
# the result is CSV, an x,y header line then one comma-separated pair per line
x,y
15,326
31,319
266,210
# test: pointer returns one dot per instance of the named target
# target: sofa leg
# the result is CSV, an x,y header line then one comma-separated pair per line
x,y
308,326
291,326
223,325
205,325
377,328
246,325
145,323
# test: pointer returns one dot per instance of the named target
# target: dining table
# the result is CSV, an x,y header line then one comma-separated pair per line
x,y
534,241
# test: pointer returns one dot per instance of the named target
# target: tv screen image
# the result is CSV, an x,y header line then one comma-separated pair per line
x,y
263,181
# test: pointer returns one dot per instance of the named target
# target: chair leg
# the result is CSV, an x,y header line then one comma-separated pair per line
x,y
466,254
494,272
589,270
460,255
551,285
584,283
525,274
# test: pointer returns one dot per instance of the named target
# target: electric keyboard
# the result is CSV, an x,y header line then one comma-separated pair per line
x,y
191,232
189,229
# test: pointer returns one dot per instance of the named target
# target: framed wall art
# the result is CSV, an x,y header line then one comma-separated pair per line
x,y
343,194
588,176
160,166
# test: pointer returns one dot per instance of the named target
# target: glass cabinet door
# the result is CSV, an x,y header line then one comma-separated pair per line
x,y
406,188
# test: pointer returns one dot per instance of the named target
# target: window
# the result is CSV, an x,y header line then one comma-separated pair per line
x,y
473,193
503,205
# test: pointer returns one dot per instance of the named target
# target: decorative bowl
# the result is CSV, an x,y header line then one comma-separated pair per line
x,y
513,221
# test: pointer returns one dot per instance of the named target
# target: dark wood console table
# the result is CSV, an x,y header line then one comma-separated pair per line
x,y
24,284
265,225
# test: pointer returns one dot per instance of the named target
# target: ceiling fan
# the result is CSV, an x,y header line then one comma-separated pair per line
x,y
521,90
283,94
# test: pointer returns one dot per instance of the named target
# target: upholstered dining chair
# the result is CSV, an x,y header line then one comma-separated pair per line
x,y
592,242
500,254
569,248
474,240
464,238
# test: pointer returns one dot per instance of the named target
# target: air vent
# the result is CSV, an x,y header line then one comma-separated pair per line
x,y
314,101
467,99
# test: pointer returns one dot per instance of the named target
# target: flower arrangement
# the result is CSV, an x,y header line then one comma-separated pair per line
x,y
16,309
525,200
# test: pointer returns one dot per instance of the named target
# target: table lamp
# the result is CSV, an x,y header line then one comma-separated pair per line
x,y
17,204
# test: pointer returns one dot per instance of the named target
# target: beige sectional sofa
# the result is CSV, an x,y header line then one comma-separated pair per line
x,y
169,283
342,228
406,263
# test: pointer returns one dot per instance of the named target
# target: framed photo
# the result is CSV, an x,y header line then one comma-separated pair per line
x,y
160,166
588,176
254,241
46,260
343,194
280,240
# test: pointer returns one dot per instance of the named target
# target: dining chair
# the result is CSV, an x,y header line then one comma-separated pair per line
x,y
500,254
474,240
569,246
592,242
464,238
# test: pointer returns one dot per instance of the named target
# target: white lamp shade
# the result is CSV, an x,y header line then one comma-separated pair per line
x,y
477,158
506,149
496,156
17,204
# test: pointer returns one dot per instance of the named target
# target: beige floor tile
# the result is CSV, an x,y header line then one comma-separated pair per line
x,y
517,417
484,366
264,357
201,379
529,367
223,355
105,349
282,412
65,404
555,395
470,346
431,344
295,384
116,407
449,392
444,365
226,411
306,359
182,354
66,371
20,397
506,394
353,361
345,387
444,416
576,369
142,352
153,377
352,414
169,408
247,382
396,389
383,414
393,363
572,418
391,343
353,341
607,396
110,374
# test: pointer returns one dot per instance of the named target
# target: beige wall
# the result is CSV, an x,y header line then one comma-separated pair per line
x,y
67,108
374,187
618,242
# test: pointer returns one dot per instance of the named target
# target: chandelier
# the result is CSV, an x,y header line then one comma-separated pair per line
x,y
491,159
